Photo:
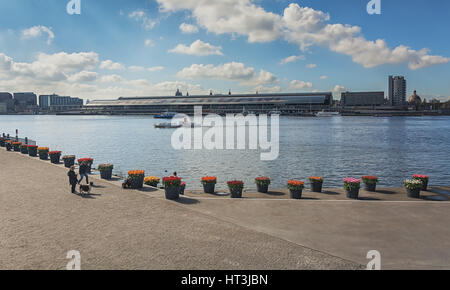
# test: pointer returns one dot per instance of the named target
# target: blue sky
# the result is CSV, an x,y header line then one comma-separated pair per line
x,y
137,47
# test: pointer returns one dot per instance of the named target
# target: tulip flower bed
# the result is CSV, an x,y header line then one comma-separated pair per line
x,y
236,187
105,171
352,186
152,181
43,153
370,183
209,184
316,183
413,187
32,150
136,178
172,187
262,184
295,188
16,146
424,179
54,156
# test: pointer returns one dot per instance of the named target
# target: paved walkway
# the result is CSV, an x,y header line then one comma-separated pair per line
x,y
40,221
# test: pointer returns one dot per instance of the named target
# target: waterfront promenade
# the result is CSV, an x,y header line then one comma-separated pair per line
x,y
138,229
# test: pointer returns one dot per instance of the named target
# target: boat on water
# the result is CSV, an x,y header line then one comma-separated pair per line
x,y
327,114
166,115
275,113
168,125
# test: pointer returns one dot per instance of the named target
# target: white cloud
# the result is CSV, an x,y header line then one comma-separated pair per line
x,y
37,31
188,28
292,58
155,68
311,65
198,48
111,79
338,89
110,65
303,26
141,68
299,85
149,43
233,71
83,76
323,77
141,16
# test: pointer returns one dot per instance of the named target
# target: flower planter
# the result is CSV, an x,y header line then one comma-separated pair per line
x,y
32,151
372,187
236,193
296,193
24,149
106,174
55,158
89,164
413,193
137,182
424,185
2,142
152,181
209,188
262,188
172,192
353,193
424,179
316,187
16,147
68,161
43,155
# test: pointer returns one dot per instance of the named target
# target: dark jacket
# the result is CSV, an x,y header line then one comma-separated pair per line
x,y
72,177
83,169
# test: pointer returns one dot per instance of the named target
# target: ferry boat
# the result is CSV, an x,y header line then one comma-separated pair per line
x,y
168,126
166,115
327,114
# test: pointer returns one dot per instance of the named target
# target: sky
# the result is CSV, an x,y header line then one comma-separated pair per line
x,y
154,47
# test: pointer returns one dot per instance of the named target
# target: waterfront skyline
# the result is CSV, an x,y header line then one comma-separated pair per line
x,y
154,47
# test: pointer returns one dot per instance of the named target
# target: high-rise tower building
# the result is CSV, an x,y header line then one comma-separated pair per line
x,y
397,90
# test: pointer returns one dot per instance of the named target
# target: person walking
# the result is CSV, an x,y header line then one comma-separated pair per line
x,y
72,178
83,170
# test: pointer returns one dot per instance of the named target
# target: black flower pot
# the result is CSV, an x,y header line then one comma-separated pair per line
x,y
413,193
24,150
54,158
296,194
372,187
2,142
106,174
316,187
43,156
353,193
69,162
209,188
172,192
236,193
137,182
16,148
262,188
424,185
32,151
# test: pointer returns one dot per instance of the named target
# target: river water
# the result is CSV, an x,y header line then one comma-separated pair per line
x,y
392,148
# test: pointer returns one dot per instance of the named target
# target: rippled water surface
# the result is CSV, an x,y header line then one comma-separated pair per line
x,y
391,148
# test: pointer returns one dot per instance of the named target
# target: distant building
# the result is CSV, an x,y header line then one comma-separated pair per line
x,y
415,101
287,103
55,103
6,102
25,102
359,99
397,90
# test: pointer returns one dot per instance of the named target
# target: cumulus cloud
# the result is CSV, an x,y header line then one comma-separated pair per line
x,y
83,76
155,68
292,58
141,16
198,48
311,65
110,65
299,85
323,77
303,26
233,71
149,43
37,31
188,28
